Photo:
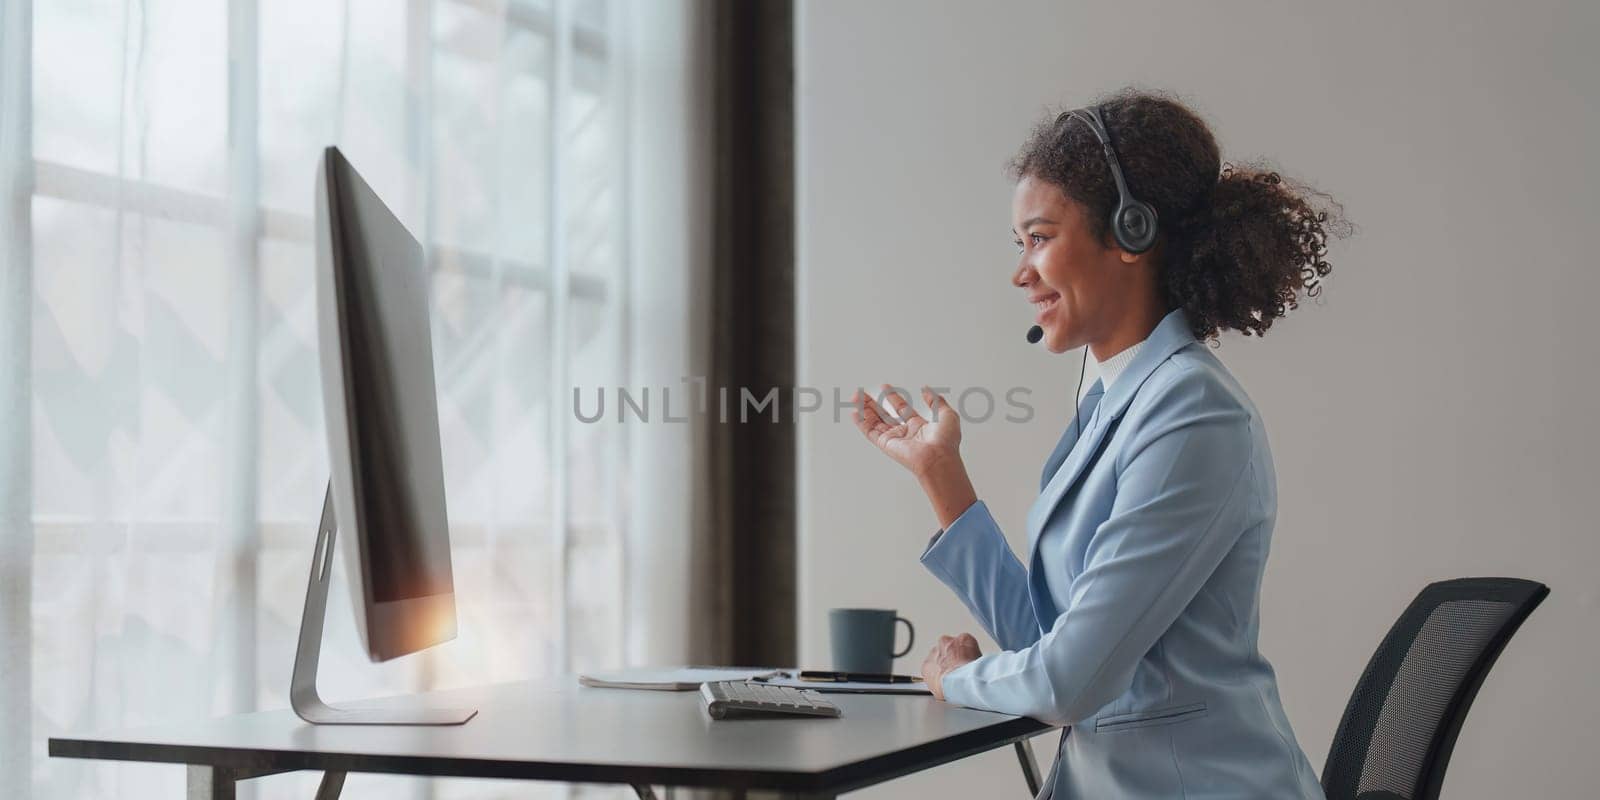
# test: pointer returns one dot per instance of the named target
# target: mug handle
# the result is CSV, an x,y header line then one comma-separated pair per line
x,y
911,636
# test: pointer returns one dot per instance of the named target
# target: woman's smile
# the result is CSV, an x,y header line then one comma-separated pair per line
x,y
1044,303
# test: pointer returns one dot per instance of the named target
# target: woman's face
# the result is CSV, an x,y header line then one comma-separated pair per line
x,y
1076,285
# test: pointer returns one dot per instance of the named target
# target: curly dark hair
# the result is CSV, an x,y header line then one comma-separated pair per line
x,y
1238,243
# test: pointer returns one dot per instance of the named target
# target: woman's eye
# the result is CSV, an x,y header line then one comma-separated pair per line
x,y
1037,238
1018,243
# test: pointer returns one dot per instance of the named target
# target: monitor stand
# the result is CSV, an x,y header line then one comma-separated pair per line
x,y
303,684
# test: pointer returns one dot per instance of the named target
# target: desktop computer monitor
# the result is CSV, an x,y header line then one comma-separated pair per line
x,y
386,491
382,416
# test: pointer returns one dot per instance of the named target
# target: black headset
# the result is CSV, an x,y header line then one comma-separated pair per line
x,y
1133,222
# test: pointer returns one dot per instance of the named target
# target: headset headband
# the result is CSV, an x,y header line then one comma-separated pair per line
x,y
1133,222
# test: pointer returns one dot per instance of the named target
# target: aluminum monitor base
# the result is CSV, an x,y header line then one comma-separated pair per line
x,y
303,684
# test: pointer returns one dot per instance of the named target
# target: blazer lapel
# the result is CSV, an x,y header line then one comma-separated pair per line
x,y
1069,437
1066,474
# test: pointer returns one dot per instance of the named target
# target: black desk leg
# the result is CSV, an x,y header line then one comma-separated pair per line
x,y
222,783
332,784
1030,768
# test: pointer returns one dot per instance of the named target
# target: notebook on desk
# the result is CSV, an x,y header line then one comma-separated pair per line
x,y
688,679
785,678
672,679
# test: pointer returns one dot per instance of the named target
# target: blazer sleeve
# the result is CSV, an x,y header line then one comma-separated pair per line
x,y
1180,507
973,558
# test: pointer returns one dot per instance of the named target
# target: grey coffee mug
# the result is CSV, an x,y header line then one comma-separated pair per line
x,y
863,639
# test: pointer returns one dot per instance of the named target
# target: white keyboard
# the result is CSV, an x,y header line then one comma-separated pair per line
x,y
729,699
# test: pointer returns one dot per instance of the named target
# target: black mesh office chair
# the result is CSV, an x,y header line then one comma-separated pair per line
x,y
1397,733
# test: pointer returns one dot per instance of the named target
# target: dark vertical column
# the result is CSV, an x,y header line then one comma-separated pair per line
x,y
752,333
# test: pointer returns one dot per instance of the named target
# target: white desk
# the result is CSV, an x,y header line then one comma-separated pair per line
x,y
559,731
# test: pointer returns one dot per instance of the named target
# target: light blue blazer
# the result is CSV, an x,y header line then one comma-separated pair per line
x,y
1135,615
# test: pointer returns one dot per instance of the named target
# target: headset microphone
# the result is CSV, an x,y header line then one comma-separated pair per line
x,y
1035,333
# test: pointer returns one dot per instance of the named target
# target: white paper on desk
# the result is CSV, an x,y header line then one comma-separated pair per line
x,y
851,687
672,679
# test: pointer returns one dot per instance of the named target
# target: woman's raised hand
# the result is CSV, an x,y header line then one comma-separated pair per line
x,y
930,448
913,442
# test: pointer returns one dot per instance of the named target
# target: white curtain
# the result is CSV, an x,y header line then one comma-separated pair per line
x,y
162,454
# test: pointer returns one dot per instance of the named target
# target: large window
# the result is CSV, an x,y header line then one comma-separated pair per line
x,y
178,453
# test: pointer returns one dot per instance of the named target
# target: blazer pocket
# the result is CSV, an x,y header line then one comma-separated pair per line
x,y
1144,719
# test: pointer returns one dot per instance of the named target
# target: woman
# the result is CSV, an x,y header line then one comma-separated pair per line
x,y
1133,618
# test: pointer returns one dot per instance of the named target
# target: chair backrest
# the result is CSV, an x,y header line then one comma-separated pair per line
x,y
1397,733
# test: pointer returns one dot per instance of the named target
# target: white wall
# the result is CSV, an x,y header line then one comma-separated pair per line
x,y
1429,420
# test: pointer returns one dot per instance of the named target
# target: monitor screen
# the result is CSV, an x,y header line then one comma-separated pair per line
x,y
390,413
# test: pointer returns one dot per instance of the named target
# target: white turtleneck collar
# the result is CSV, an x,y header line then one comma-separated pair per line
x,y
1110,368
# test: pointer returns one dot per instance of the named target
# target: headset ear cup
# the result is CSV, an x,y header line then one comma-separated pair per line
x,y
1134,226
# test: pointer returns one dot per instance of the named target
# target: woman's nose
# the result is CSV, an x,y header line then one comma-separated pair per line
x,y
1024,275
